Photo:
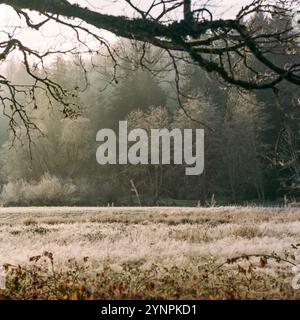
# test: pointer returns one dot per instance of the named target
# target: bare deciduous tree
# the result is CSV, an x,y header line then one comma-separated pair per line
x,y
187,30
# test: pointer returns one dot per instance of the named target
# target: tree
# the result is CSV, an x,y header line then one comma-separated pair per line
x,y
283,110
59,146
203,113
138,90
151,178
244,149
216,45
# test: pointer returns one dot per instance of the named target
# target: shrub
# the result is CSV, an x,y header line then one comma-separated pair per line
x,y
42,278
49,190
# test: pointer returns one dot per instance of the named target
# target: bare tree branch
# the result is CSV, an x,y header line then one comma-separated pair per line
x,y
217,45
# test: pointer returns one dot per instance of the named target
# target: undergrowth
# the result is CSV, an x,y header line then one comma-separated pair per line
x,y
242,277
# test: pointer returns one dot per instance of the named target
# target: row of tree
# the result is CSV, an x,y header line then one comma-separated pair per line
x,y
251,139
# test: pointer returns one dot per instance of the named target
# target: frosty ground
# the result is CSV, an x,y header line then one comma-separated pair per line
x,y
167,236
145,235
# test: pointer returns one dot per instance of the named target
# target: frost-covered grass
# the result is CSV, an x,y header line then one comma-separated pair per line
x,y
186,238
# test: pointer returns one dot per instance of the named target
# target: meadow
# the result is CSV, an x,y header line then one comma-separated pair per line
x,y
150,253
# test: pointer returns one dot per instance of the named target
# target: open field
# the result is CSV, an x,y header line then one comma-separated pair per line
x,y
130,241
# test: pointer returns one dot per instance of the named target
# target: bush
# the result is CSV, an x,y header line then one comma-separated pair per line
x,y
49,190
42,279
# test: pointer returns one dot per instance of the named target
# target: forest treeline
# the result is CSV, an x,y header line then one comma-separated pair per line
x,y
251,138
